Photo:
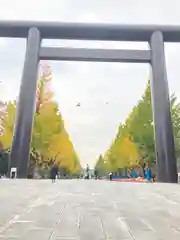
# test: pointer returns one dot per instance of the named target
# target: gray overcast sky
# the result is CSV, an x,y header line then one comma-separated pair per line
x,y
93,126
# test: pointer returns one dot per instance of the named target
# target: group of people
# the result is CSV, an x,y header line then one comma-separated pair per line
x,y
147,173
133,174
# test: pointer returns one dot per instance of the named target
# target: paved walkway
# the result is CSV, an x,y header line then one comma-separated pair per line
x,y
88,210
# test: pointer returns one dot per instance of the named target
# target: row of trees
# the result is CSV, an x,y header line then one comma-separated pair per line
x,y
134,142
50,141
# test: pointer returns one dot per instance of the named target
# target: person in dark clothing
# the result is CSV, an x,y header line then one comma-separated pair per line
x,y
87,171
54,172
95,174
110,176
153,176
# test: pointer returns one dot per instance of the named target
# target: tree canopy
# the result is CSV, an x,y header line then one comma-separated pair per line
x,y
133,144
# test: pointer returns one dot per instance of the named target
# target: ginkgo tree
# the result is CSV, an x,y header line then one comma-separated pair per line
x,y
134,141
126,153
7,121
122,154
50,141
101,166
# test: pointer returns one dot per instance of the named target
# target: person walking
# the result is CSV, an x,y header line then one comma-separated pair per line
x,y
95,174
54,172
87,171
148,173
110,176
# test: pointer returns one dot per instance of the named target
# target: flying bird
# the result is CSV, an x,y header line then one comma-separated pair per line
x,y
78,105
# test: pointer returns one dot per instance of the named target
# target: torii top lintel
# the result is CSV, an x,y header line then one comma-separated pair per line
x,y
88,31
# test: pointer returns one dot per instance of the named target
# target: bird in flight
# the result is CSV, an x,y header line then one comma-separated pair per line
x,y
78,105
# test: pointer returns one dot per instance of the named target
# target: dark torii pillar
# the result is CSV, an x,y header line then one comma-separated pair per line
x,y
26,106
164,140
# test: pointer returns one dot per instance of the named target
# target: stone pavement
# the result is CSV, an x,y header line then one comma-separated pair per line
x,y
88,210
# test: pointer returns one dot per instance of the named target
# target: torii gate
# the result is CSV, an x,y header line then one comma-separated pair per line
x,y
36,31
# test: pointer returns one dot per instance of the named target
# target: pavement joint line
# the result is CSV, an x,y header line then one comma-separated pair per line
x,y
148,225
103,229
123,223
9,223
166,199
176,230
23,221
16,217
79,220
54,201
57,222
